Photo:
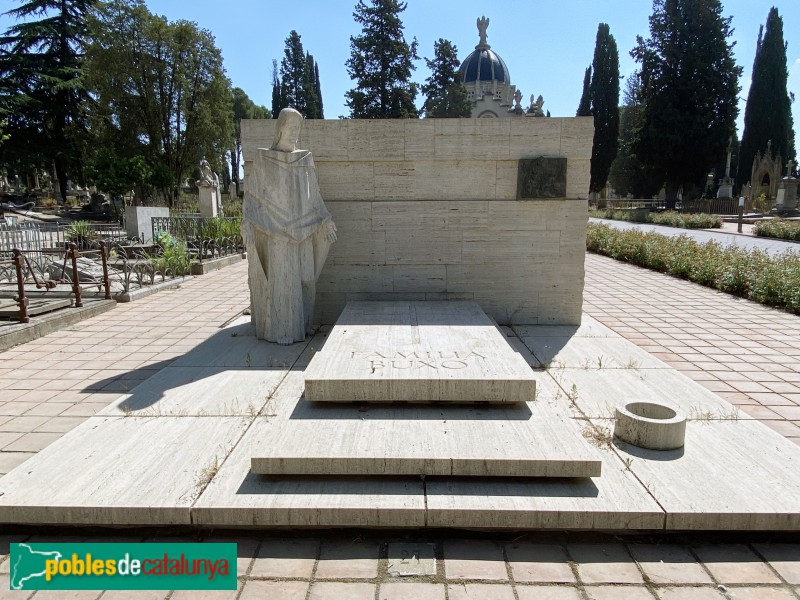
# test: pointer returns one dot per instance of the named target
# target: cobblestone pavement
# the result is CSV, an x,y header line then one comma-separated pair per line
x,y
746,353
349,566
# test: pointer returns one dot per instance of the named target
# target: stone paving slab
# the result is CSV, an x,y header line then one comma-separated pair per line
x,y
590,353
417,352
200,391
597,392
730,475
239,498
614,501
120,471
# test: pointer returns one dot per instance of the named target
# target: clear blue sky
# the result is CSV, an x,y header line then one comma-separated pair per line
x,y
546,45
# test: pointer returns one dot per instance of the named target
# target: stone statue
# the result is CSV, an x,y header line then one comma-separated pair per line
x,y
288,233
483,25
207,177
536,107
210,196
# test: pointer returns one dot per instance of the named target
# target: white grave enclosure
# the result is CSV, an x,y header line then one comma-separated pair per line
x,y
427,210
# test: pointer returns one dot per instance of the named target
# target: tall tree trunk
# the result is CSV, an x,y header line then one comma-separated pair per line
x,y
61,174
671,200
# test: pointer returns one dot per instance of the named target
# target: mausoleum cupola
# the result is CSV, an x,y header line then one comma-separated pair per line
x,y
484,64
487,81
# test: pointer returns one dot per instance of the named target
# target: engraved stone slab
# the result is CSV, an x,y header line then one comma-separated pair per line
x,y
411,560
417,352
542,178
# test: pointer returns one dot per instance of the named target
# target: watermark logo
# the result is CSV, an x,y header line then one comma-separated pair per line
x,y
122,567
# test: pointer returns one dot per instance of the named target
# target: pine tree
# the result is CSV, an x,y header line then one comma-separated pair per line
x,y
604,91
585,106
42,86
768,113
690,84
446,96
381,63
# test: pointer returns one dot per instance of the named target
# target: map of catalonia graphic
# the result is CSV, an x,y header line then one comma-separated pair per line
x,y
29,564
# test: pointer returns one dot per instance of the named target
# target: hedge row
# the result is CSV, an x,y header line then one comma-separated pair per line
x,y
669,218
751,274
778,228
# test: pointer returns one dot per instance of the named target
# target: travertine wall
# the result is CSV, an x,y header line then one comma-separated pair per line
x,y
427,209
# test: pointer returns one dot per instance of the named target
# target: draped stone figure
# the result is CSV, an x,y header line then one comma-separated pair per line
x,y
287,232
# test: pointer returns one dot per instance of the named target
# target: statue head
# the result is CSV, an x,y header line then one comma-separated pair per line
x,y
287,130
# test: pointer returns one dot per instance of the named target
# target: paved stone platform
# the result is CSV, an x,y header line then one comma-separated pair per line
x,y
743,353
190,453
417,352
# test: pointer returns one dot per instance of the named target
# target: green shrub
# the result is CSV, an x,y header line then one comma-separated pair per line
x,y
750,274
778,228
80,232
668,218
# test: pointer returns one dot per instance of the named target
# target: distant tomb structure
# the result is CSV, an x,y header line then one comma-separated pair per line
x,y
766,173
485,75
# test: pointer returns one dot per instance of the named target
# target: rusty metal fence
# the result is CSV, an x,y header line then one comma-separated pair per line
x,y
37,273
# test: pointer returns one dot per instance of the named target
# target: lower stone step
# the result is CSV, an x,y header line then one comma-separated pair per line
x,y
529,440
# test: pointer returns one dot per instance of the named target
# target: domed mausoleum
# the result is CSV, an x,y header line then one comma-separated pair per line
x,y
485,75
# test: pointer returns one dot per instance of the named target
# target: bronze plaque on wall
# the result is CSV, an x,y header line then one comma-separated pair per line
x,y
542,178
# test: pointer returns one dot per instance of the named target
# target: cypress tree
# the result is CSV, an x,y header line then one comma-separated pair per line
x,y
768,113
585,106
446,97
604,92
293,73
310,90
278,101
318,90
690,85
381,63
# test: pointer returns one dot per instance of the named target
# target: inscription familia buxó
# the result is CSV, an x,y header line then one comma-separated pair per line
x,y
417,360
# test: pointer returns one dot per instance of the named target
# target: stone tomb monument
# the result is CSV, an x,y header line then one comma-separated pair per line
x,y
415,378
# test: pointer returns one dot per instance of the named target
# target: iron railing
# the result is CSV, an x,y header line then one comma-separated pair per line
x,y
32,236
31,271
206,238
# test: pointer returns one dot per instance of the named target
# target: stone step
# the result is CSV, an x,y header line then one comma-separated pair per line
x,y
417,352
532,439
